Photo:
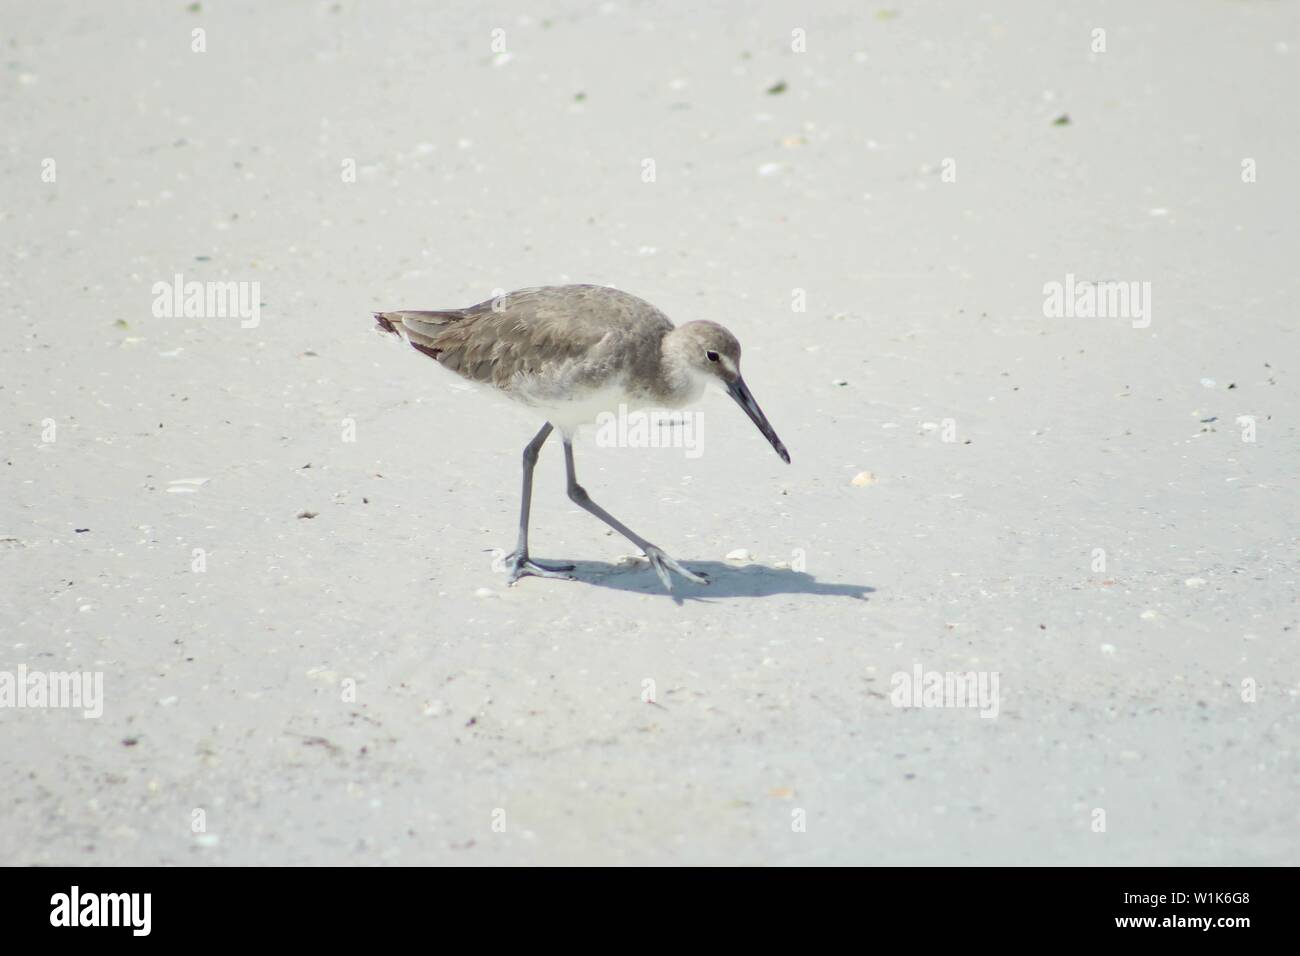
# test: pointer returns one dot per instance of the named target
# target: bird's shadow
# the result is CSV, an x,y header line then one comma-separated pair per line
x,y
725,580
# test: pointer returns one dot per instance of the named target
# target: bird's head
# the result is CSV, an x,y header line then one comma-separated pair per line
x,y
712,355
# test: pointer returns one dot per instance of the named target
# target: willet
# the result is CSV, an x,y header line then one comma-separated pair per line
x,y
571,352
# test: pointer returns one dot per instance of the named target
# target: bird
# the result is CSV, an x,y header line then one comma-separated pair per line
x,y
569,353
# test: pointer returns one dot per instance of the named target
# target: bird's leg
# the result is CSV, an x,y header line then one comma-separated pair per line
x,y
660,561
518,563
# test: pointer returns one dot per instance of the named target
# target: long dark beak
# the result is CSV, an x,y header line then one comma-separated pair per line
x,y
740,392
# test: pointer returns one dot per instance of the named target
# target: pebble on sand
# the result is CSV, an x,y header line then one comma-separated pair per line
x,y
864,478
739,554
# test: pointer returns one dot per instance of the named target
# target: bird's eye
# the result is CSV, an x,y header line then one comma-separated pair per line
x,y
711,356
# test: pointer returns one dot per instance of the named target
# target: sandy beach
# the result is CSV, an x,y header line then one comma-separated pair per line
x,y
1018,296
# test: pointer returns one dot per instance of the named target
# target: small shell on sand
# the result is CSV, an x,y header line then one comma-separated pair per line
x,y
740,554
186,486
864,478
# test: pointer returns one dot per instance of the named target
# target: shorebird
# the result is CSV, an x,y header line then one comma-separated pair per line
x,y
571,352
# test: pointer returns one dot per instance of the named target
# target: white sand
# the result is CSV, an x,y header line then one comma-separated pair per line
x,y
1120,690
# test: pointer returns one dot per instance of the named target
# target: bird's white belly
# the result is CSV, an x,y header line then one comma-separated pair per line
x,y
584,408
568,407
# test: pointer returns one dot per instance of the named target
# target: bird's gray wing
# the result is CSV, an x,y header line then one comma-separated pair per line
x,y
559,330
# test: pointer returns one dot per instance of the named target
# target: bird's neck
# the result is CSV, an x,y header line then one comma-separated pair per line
x,y
677,383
